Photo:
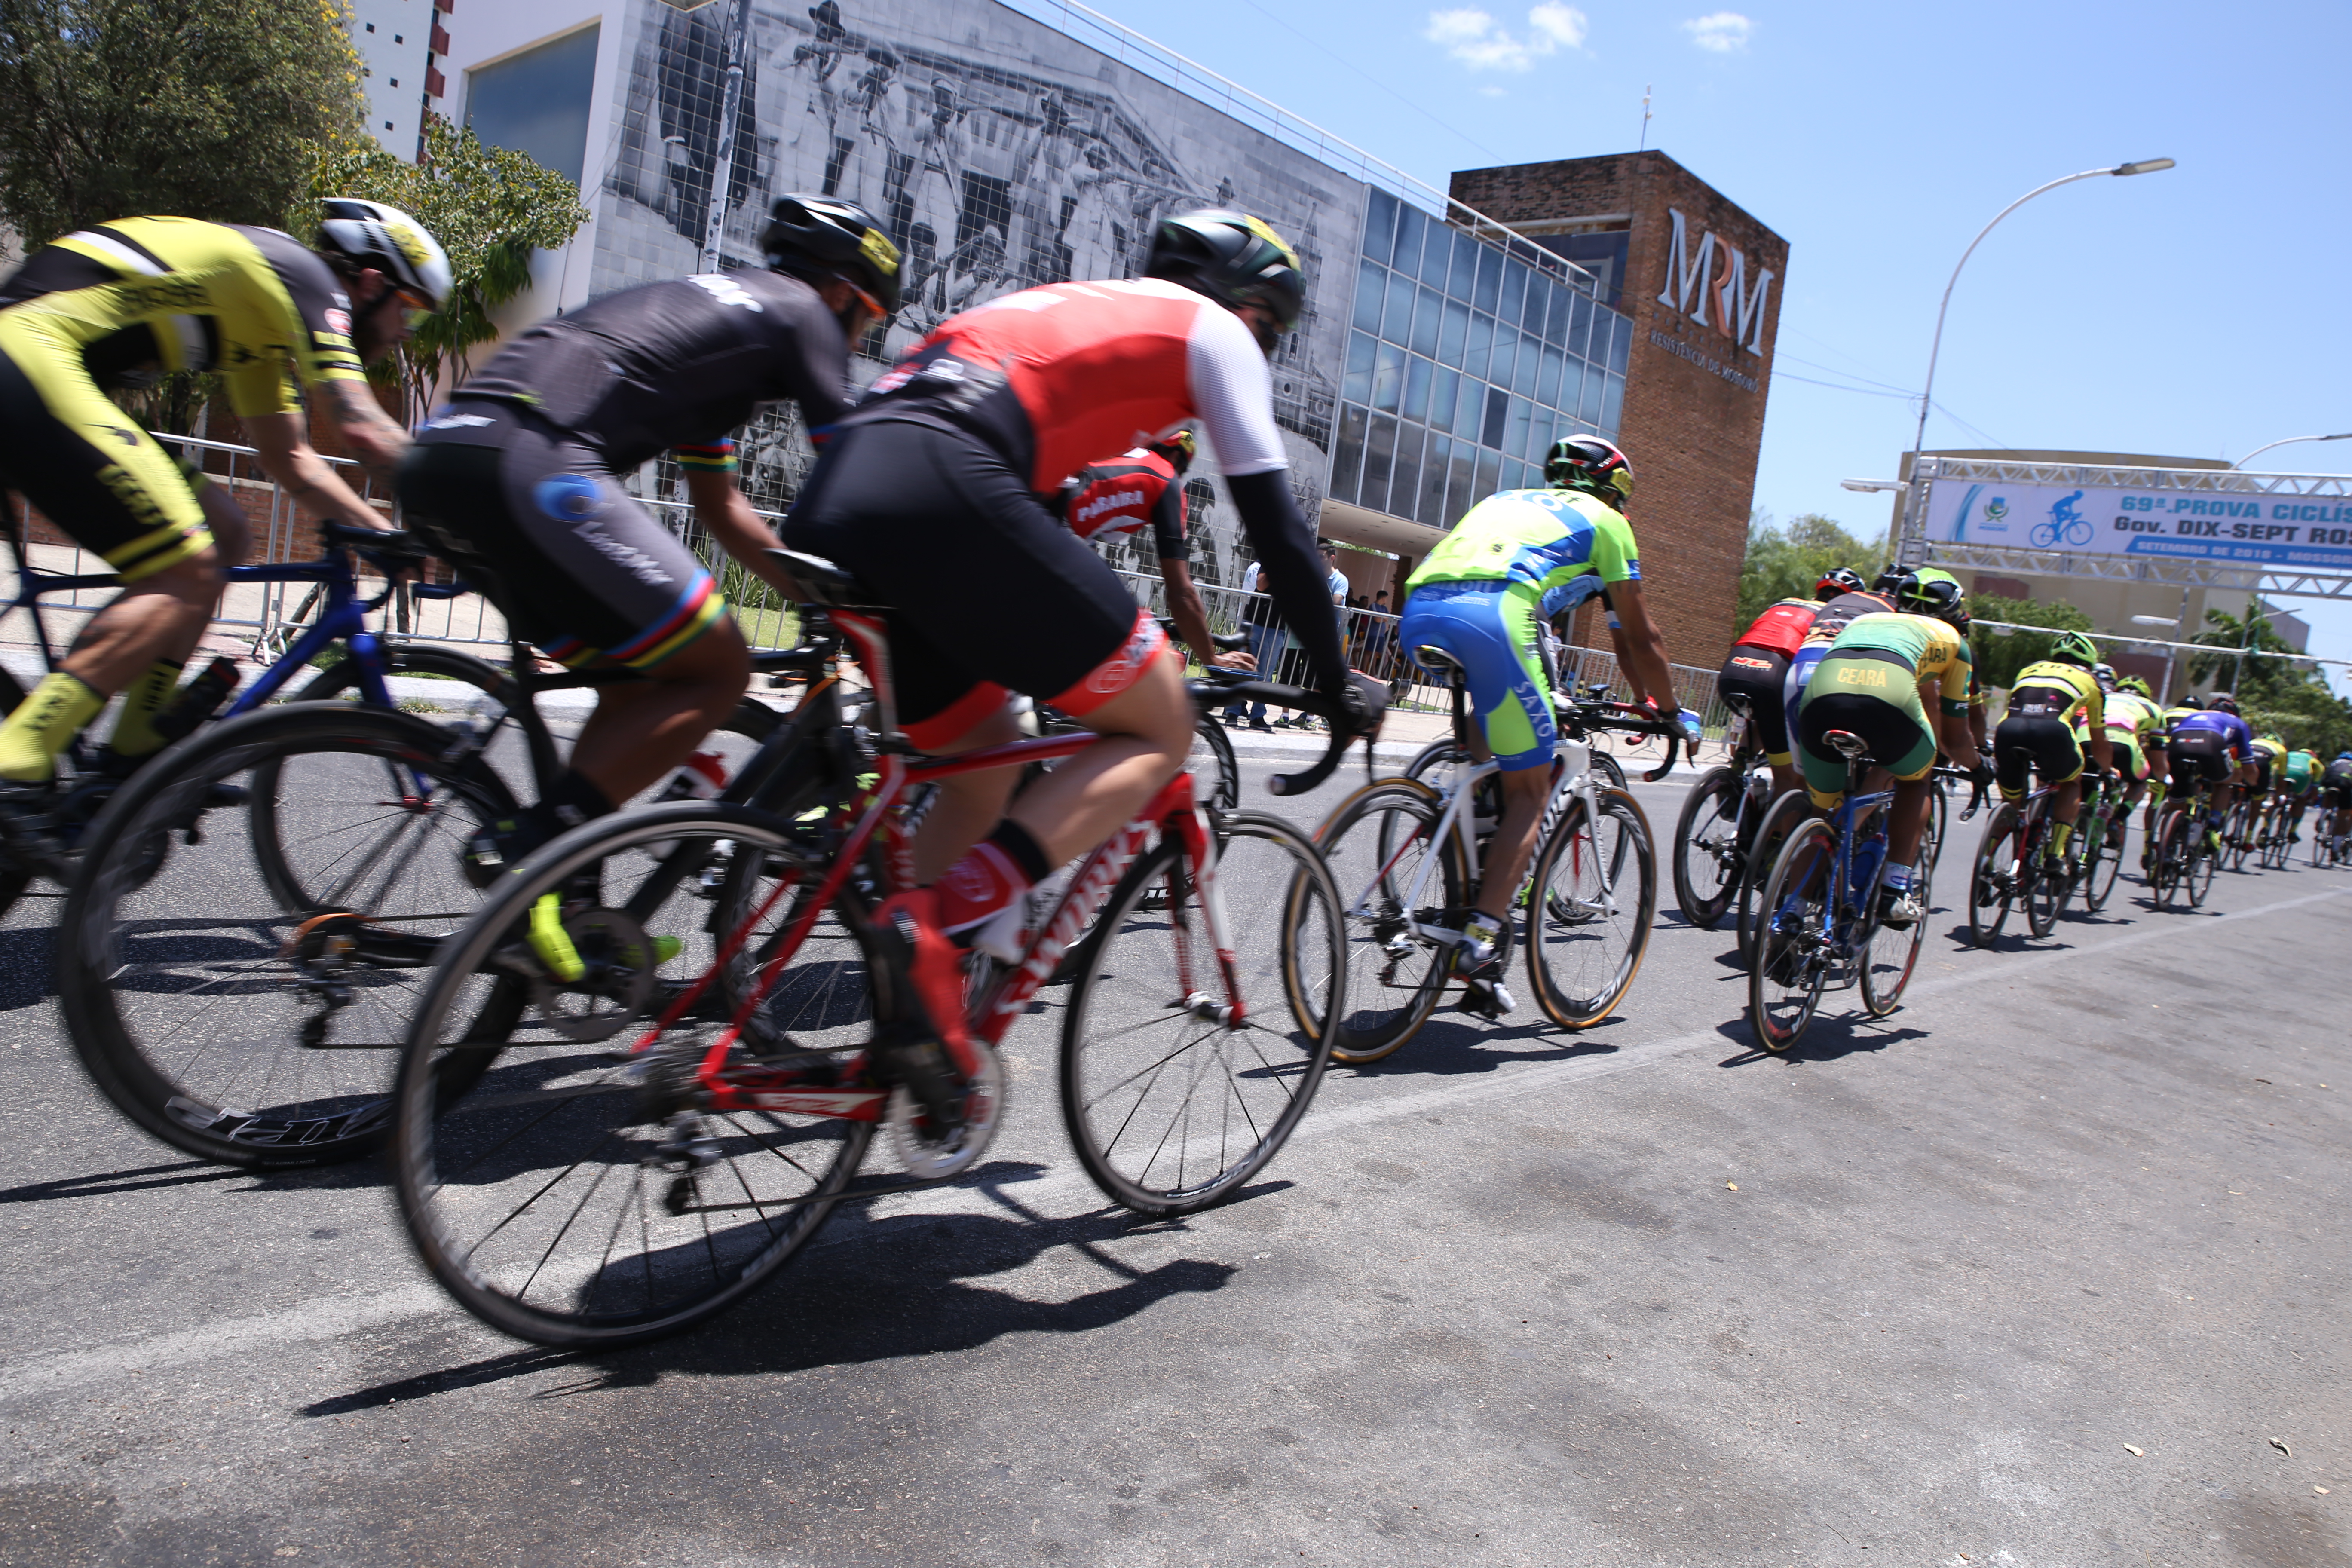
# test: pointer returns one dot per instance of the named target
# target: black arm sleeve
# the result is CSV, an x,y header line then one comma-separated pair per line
x,y
1293,573
1168,522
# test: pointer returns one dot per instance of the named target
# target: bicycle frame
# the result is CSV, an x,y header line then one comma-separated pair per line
x,y
1842,822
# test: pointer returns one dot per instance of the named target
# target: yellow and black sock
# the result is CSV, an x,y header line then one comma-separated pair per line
x,y
44,725
142,701
2066,830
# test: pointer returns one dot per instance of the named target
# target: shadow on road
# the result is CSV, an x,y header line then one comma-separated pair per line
x,y
1828,1037
903,1291
1448,1047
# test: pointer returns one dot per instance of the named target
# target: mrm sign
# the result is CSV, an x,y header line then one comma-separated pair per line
x,y
1711,286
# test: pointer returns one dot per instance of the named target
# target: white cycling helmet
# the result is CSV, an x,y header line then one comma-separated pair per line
x,y
370,234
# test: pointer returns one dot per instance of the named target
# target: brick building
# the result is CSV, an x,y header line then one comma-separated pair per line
x,y
1701,281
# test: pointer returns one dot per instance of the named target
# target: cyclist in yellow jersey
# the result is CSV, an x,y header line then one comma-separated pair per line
x,y
2039,732
104,305
2132,721
1875,683
1514,557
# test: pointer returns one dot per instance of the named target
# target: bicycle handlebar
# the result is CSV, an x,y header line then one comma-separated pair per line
x,y
1622,719
1975,790
1220,689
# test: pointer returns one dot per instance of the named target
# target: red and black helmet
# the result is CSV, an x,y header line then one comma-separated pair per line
x,y
1838,580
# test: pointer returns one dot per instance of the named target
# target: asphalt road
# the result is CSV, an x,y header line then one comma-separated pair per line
x,y
2048,1268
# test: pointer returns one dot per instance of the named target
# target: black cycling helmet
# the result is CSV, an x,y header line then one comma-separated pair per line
x,y
1890,579
1838,580
1234,260
1593,464
1939,596
820,239
2190,700
2221,702
370,234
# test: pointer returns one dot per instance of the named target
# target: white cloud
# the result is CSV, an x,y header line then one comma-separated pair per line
x,y
1725,32
1473,37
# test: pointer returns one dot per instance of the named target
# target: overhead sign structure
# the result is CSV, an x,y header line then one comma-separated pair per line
x,y
2289,534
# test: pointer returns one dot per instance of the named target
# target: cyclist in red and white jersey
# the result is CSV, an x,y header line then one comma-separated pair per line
x,y
935,492
1757,667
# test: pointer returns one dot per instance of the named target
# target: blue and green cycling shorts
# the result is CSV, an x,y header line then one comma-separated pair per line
x,y
1491,628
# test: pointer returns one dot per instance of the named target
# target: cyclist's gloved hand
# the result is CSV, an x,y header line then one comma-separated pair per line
x,y
1981,777
1360,703
1690,725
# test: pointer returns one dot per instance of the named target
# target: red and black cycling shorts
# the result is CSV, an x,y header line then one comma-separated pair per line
x,y
987,593
1756,673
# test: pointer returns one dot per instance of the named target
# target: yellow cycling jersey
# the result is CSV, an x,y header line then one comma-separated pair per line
x,y
2273,749
1930,648
2127,712
252,304
2087,704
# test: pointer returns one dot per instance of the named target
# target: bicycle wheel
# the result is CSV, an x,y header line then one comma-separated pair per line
x,y
2196,876
1707,845
1376,844
2042,880
1779,820
2170,871
1586,935
1784,982
2237,836
584,1195
215,1014
1992,883
1172,1102
1216,777
13,879
1611,772
2102,863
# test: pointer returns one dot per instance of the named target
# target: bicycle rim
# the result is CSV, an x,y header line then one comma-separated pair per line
x,y
1771,833
1888,958
1784,982
1170,1110
2171,849
2197,879
1707,851
1585,942
580,1195
1376,843
1990,887
223,1020
1216,777
2100,871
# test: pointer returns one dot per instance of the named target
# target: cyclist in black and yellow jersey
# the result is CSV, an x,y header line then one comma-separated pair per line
x,y
1875,682
105,305
2133,726
2039,730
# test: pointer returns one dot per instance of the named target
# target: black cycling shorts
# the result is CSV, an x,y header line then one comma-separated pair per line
x,y
530,513
1757,673
987,593
2261,773
2199,755
2043,741
2336,789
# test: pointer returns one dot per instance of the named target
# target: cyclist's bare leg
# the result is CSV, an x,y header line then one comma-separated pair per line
x,y
1514,844
642,728
1147,734
1785,778
969,804
157,617
1909,822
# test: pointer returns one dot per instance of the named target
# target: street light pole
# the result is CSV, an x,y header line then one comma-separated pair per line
x,y
2291,440
1936,349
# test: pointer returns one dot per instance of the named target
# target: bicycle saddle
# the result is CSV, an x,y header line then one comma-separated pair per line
x,y
1846,744
1438,660
1735,700
825,583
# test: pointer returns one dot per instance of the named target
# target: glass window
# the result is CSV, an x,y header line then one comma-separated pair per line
x,y
1463,279
1397,321
1372,282
1621,342
1471,412
1504,356
1475,353
1489,470
1431,508
1498,408
1612,404
1424,321
1588,405
1548,384
1539,293
1460,485
1347,455
1523,375
1579,329
1358,386
536,101
1379,456
1514,292
1447,388
1410,225
1541,425
1563,302
1456,328
1571,386
1379,224
1490,278
1514,427
1404,484
1388,378
1416,387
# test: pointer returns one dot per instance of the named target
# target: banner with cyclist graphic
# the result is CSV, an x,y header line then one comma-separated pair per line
x,y
2311,531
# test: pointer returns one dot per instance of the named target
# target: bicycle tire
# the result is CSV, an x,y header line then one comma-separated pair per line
x,y
2166,875
1939,824
1889,957
2197,877
1716,797
13,879
1991,886
2046,881
1785,961
147,954
343,679
550,1123
1144,954
1386,960
1576,983
2237,835
1772,831
1218,785
2102,866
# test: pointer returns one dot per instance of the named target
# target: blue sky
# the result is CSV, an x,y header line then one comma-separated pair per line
x,y
2199,313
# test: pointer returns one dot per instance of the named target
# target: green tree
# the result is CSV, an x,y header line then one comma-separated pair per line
x,y
1998,655
2260,673
1786,561
209,108
489,207
2276,695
